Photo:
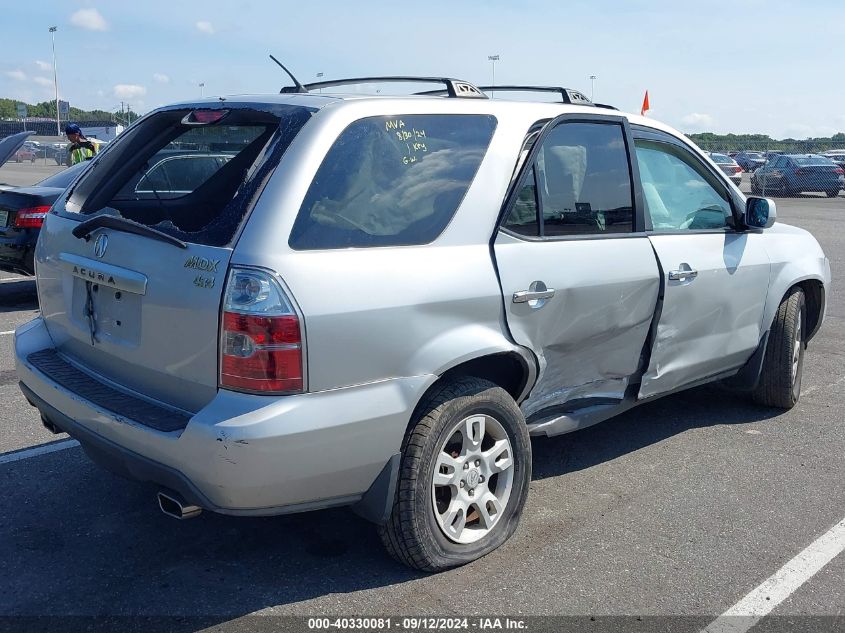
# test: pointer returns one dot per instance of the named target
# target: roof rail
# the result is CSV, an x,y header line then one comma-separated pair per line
x,y
567,95
455,88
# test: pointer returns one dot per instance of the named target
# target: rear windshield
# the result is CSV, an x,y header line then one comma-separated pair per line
x,y
64,177
805,161
190,174
392,181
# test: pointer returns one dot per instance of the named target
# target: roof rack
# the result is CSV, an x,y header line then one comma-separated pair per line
x,y
455,88
567,95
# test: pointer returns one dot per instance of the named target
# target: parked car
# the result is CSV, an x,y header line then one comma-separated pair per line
x,y
791,174
25,153
22,211
376,301
750,161
837,156
728,165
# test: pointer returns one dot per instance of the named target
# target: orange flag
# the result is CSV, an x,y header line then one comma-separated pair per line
x,y
645,104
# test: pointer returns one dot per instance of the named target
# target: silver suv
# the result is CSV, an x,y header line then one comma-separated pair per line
x,y
375,301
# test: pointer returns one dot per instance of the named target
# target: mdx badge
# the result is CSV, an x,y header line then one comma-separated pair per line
x,y
101,244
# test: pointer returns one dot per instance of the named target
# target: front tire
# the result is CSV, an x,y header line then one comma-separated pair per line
x,y
780,380
463,479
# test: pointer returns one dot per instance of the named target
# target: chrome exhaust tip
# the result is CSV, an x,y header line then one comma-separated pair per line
x,y
173,505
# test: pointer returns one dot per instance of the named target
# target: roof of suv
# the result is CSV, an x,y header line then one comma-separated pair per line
x,y
434,104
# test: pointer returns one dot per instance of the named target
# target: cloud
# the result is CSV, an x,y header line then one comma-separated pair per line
x,y
17,75
204,26
161,78
43,81
89,19
697,122
129,91
43,65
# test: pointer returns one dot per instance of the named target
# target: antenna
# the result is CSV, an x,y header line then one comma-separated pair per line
x,y
299,87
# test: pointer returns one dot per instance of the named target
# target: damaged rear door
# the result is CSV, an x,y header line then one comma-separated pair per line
x,y
579,278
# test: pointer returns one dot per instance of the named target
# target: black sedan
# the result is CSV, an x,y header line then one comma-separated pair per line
x,y
22,212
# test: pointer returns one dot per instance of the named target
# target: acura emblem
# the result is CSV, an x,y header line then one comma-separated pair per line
x,y
101,244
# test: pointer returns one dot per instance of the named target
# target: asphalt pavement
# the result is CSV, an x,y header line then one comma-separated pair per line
x,y
679,507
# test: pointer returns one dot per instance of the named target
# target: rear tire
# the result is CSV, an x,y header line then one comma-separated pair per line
x,y
780,380
832,194
443,466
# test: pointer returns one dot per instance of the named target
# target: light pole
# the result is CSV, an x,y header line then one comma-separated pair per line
x,y
493,59
56,80
320,76
202,89
592,87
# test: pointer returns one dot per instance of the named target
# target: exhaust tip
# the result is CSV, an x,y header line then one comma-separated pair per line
x,y
173,505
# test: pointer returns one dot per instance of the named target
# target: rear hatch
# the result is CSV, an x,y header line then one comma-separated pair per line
x,y
132,260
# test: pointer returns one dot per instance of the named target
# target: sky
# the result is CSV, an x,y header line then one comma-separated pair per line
x,y
744,66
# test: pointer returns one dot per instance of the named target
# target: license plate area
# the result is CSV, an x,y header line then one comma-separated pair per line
x,y
117,313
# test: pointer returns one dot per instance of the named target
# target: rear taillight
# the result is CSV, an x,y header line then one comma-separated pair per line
x,y
839,171
261,339
737,169
31,218
799,172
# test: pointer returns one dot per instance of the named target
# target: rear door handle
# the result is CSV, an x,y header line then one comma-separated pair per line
x,y
682,275
536,292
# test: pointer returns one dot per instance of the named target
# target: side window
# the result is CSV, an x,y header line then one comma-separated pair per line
x,y
392,181
680,193
523,216
583,180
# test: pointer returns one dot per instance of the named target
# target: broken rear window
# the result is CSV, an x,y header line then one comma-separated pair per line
x,y
190,173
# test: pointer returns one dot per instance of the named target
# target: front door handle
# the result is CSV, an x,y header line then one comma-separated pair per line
x,y
683,274
536,294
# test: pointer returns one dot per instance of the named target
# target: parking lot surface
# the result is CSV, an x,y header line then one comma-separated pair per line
x,y
679,507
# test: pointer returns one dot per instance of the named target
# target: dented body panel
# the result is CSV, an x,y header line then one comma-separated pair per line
x,y
589,336
710,323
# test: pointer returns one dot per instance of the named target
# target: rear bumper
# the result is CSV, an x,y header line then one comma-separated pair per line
x,y
16,253
241,454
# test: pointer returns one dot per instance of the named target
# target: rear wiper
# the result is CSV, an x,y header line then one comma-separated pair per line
x,y
84,229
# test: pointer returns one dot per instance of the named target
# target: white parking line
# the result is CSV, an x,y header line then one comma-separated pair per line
x,y
778,587
35,451
7,332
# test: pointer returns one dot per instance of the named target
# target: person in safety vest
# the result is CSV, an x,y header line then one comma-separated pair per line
x,y
79,148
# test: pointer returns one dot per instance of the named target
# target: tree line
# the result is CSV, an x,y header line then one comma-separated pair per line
x,y
711,142
47,109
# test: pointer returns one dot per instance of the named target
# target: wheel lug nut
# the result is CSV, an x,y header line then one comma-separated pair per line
x,y
466,465
463,483
481,479
471,492
478,462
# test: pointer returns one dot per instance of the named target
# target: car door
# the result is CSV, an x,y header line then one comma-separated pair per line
x,y
578,274
715,278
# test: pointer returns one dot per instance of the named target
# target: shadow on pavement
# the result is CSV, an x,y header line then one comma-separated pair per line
x,y
18,294
75,540
642,426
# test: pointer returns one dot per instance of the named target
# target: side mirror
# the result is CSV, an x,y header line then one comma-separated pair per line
x,y
760,213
